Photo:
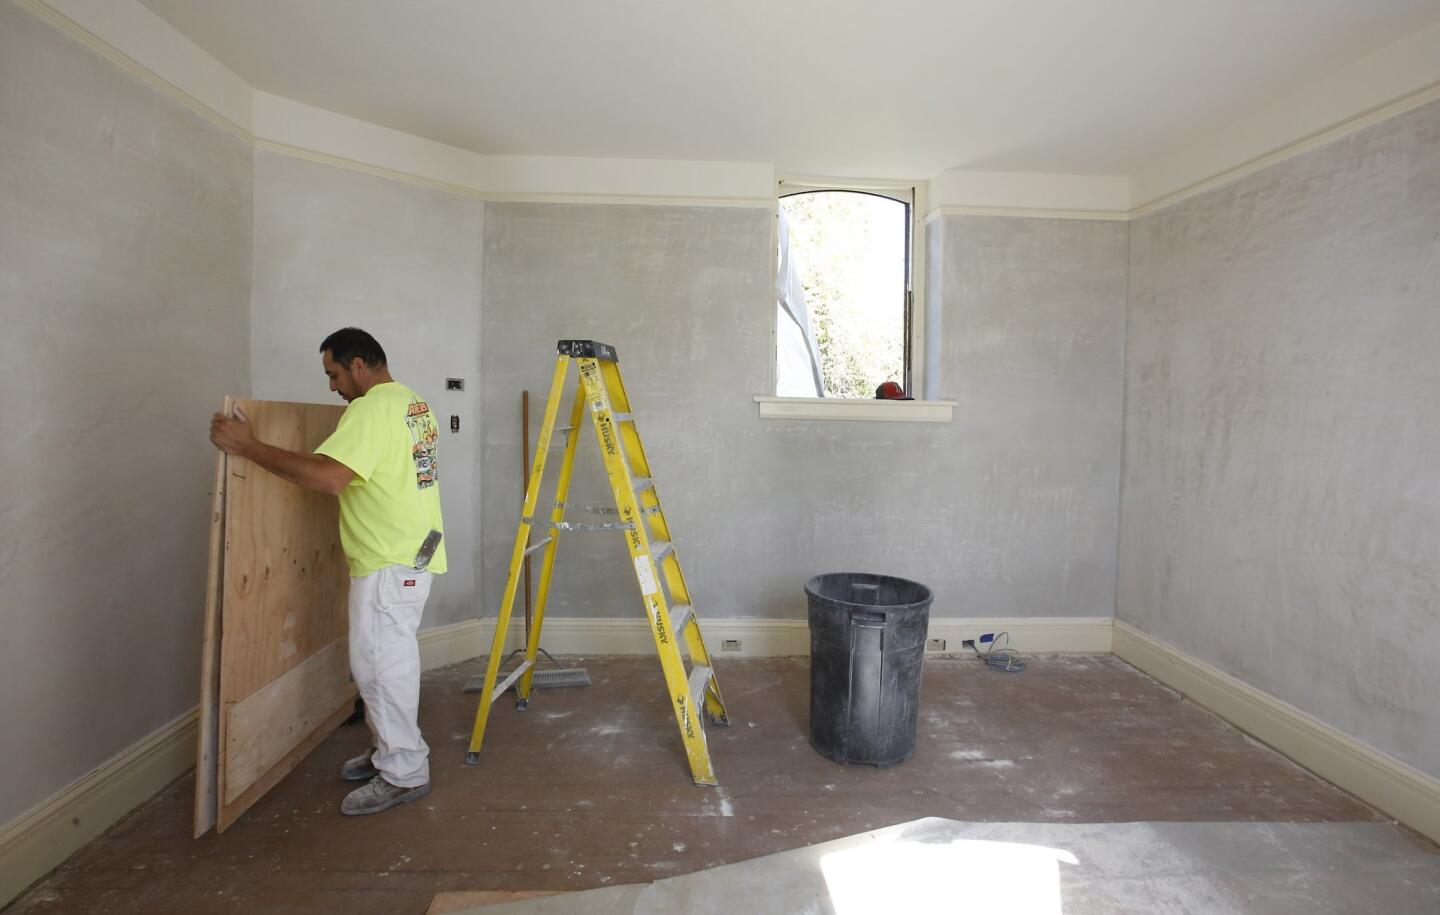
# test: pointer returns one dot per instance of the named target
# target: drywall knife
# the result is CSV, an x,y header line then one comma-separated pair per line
x,y
427,550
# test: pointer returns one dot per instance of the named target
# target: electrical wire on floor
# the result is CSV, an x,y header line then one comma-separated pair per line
x,y
998,658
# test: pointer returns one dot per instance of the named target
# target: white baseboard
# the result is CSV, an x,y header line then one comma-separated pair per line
x,y
1405,793
41,839
757,638
446,645
1033,635
36,842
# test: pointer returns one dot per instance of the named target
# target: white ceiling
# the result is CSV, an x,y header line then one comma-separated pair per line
x,y
901,88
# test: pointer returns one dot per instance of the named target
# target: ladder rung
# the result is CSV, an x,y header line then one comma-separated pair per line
x,y
602,510
643,483
539,545
590,527
680,616
581,527
510,680
623,417
660,549
699,677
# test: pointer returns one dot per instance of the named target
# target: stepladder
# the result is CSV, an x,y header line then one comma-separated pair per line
x,y
637,514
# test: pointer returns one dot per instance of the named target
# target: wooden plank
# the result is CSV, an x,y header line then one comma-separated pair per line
x,y
285,585
230,812
270,722
207,748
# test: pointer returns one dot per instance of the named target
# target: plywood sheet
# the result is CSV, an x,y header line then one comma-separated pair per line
x,y
266,725
207,748
282,597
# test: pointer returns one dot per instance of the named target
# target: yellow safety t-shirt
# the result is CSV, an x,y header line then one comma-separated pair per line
x,y
388,437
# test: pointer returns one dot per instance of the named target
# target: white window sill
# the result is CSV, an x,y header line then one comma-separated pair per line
x,y
898,411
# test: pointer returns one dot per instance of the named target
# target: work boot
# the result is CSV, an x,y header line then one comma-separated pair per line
x,y
360,768
377,795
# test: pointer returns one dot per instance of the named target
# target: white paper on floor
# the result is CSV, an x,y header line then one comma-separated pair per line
x,y
936,865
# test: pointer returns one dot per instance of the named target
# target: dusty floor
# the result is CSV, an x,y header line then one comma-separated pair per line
x,y
590,788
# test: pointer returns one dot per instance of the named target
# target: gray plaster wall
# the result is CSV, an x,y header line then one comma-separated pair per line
x,y
124,295
1009,510
1281,501
336,248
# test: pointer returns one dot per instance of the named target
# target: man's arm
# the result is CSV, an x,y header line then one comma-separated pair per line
x,y
310,471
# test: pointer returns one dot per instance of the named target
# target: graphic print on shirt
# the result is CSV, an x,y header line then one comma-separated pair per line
x,y
423,434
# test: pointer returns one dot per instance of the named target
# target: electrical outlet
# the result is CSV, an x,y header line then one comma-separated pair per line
x,y
968,643
730,645
934,644
454,384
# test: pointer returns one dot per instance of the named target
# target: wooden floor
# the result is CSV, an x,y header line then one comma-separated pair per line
x,y
590,787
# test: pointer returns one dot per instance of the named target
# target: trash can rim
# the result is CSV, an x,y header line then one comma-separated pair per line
x,y
925,598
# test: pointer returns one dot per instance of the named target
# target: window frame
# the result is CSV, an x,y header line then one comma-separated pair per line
x,y
913,194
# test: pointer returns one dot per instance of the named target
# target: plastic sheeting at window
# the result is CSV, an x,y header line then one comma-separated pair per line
x,y
797,358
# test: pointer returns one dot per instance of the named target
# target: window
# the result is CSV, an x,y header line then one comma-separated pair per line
x,y
845,289
850,251
850,305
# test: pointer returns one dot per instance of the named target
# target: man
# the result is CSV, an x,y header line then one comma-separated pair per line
x,y
380,461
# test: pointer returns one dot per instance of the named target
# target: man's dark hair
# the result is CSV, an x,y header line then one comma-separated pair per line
x,y
349,343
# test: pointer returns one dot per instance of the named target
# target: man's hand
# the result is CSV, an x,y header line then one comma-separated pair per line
x,y
234,435
231,434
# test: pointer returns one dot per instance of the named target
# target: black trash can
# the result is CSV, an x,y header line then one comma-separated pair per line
x,y
867,643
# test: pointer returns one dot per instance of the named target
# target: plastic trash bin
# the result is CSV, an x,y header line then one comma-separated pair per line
x,y
867,644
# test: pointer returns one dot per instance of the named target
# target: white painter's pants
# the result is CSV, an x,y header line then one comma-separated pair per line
x,y
385,608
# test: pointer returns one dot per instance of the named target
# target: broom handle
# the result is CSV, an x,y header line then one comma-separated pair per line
x,y
524,485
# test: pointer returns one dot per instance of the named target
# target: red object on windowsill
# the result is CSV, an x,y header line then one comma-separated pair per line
x,y
891,390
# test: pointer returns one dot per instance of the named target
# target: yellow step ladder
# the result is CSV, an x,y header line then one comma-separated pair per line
x,y
647,536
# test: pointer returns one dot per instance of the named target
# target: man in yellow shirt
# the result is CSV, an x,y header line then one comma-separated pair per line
x,y
381,462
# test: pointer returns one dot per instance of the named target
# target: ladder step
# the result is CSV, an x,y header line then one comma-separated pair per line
x,y
540,545
643,483
581,527
660,549
699,677
680,617
623,417
509,681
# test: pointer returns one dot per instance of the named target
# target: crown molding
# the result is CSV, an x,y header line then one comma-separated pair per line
x,y
49,13
130,36
1359,122
267,123
1027,213
460,190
